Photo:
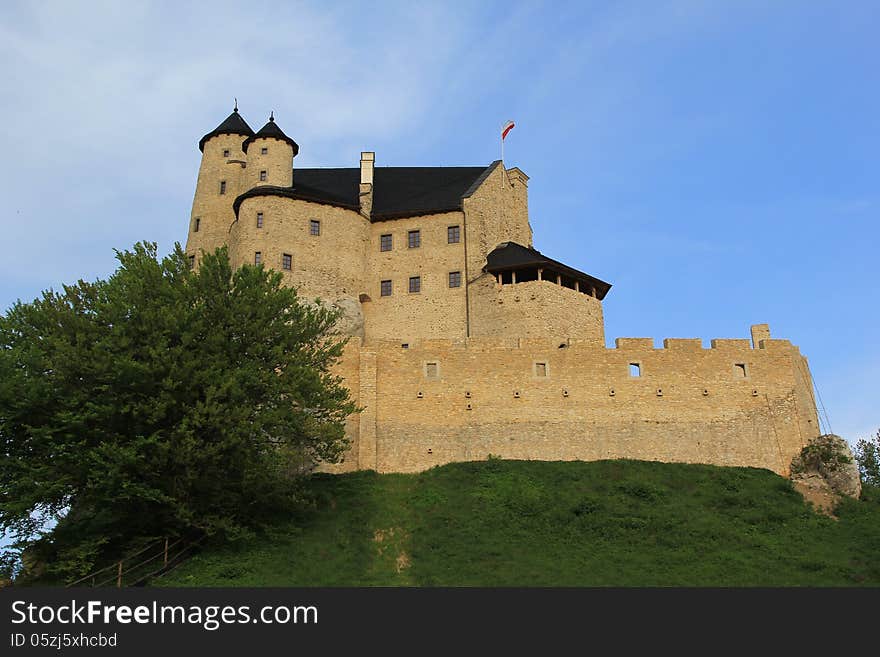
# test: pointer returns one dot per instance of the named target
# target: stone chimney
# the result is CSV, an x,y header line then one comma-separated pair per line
x,y
368,159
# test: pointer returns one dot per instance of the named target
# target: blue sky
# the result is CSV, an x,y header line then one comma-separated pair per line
x,y
716,161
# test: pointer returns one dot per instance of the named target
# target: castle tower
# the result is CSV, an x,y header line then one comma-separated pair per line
x,y
221,179
270,156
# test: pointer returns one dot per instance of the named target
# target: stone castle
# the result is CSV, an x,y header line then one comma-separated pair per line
x,y
467,342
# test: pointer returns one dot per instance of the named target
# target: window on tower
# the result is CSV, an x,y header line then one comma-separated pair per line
x,y
196,223
415,239
286,261
263,176
385,288
259,219
222,186
415,284
264,150
453,234
258,257
455,279
314,227
225,152
385,243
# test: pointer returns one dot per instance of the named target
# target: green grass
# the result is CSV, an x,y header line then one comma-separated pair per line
x,y
531,523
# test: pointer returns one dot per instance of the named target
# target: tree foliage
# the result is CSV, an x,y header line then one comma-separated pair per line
x,y
161,401
867,455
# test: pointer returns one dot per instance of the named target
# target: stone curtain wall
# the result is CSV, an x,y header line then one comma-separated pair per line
x,y
690,404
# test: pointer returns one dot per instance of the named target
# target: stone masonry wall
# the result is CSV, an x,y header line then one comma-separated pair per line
x,y
531,399
437,310
330,265
496,212
534,309
213,209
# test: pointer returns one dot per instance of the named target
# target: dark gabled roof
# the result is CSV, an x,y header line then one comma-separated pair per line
x,y
233,125
408,191
271,131
508,256
397,191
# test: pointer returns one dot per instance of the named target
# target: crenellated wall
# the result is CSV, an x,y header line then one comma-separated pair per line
x,y
440,401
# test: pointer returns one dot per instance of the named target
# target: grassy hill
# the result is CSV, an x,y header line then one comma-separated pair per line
x,y
529,523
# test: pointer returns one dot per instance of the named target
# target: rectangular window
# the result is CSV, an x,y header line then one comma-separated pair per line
x,y
192,262
432,370
263,176
739,370
541,369
455,279
415,283
453,234
286,261
196,224
259,219
264,150
386,288
635,369
225,152
222,186
258,257
385,243
415,239
314,227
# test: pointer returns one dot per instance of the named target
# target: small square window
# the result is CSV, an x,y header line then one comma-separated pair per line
x,y
415,239
196,223
259,219
415,284
432,370
453,234
264,151
541,369
222,186
258,257
263,176
225,152
739,370
455,279
192,262
286,261
385,243
386,288
314,227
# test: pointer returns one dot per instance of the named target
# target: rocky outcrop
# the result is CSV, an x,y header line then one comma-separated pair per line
x,y
825,470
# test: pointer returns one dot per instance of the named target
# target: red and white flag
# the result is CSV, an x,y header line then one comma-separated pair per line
x,y
507,128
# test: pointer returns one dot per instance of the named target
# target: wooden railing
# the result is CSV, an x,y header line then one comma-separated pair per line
x,y
137,568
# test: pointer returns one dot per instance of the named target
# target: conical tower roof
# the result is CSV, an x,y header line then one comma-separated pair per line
x,y
233,125
271,131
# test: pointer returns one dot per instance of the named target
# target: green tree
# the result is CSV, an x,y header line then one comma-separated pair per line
x,y
867,455
161,401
